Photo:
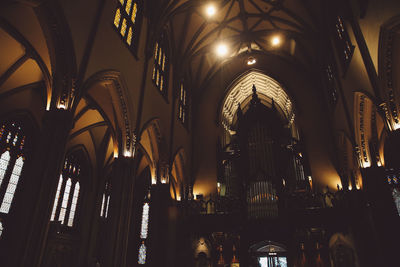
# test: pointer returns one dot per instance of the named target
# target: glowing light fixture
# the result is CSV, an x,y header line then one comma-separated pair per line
x,y
211,10
251,61
222,50
276,40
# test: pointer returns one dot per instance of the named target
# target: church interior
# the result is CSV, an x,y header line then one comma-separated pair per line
x,y
199,133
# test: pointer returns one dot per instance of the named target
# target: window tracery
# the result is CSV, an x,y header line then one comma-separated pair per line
x,y
343,43
64,209
144,230
183,107
161,67
127,20
12,149
12,142
105,203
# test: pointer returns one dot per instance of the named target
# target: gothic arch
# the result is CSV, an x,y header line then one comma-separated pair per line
x,y
109,91
153,142
178,173
240,91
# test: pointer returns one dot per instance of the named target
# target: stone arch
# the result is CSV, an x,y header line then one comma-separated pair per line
x,y
153,143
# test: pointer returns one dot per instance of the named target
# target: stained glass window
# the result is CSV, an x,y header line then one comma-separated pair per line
x,y
5,158
12,185
53,213
64,202
183,107
396,198
127,20
12,150
12,143
67,194
145,221
161,67
331,85
343,43
142,254
73,205
394,184
105,200
144,230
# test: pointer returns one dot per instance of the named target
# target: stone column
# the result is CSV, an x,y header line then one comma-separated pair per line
x,y
120,212
48,160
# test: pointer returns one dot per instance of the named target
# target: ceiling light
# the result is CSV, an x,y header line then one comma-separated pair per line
x,y
251,61
211,10
276,40
222,50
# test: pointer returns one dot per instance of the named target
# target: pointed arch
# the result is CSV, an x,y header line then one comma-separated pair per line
x,y
178,172
108,90
240,91
152,140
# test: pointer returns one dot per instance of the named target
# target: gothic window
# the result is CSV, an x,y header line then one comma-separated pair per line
x,y
68,192
105,202
127,20
12,144
161,67
343,43
183,107
144,231
331,85
393,179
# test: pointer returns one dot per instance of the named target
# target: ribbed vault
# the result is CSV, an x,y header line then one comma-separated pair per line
x,y
244,26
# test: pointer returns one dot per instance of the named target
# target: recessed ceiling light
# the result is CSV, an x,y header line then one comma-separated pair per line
x,y
251,61
222,50
211,10
276,40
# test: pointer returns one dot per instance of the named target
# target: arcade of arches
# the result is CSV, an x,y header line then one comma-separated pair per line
x,y
253,133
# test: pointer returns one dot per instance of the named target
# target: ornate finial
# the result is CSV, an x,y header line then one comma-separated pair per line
x,y
239,111
255,100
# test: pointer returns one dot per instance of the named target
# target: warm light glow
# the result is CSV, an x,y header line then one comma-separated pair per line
x,y
350,187
211,10
222,50
61,106
153,180
276,40
396,126
178,198
365,164
251,61
163,180
127,154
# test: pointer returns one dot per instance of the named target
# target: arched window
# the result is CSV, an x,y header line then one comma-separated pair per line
x,y
67,195
161,66
127,20
183,107
144,230
393,179
342,43
12,149
105,202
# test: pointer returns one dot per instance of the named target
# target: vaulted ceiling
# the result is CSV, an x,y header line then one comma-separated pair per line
x,y
197,28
